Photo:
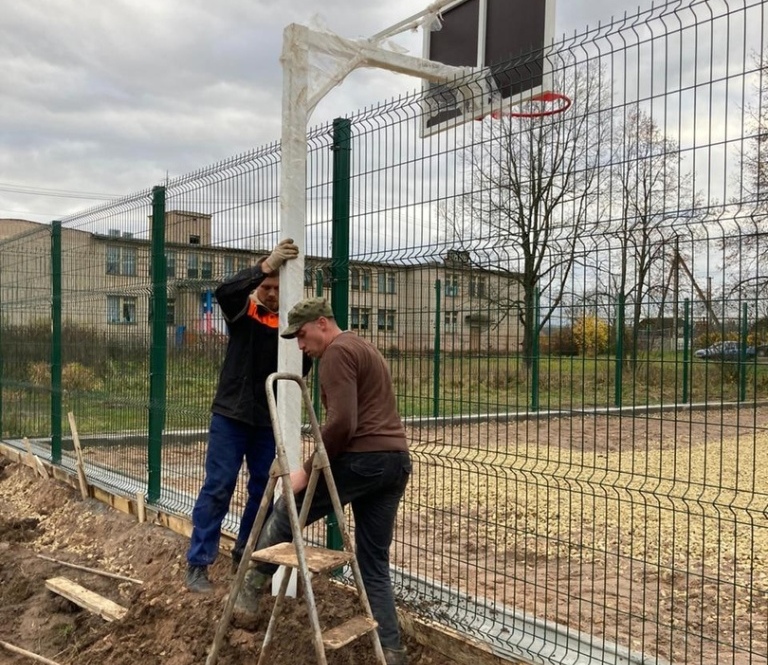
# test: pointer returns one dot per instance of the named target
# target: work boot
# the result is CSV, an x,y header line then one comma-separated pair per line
x,y
237,556
197,579
248,599
395,656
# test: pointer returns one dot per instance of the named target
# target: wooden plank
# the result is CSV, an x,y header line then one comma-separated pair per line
x,y
90,600
319,559
79,453
41,468
461,649
347,632
28,654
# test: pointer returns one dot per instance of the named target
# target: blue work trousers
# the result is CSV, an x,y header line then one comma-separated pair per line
x,y
374,484
229,441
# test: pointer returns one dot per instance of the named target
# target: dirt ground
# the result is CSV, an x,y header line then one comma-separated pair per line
x,y
164,624
650,532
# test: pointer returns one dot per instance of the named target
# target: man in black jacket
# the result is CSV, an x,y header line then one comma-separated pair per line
x,y
240,425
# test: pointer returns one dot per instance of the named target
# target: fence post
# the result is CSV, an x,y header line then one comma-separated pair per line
x,y
535,360
436,363
342,146
342,139
686,350
56,387
158,348
743,353
619,376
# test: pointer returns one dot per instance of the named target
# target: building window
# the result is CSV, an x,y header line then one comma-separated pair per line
x,y
129,261
386,319
194,240
170,313
206,267
451,321
121,310
451,286
242,263
354,279
360,318
477,287
386,282
365,280
113,260
229,266
120,260
170,264
193,262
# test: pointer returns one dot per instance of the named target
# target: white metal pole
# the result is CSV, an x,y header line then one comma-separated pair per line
x,y
293,188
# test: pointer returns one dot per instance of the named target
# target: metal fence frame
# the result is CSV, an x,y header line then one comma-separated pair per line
x,y
575,462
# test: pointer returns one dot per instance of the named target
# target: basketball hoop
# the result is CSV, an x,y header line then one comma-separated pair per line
x,y
539,106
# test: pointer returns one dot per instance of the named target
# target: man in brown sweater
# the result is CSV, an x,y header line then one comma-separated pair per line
x,y
366,445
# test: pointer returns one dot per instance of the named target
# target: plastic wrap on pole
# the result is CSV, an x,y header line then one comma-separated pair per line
x,y
292,225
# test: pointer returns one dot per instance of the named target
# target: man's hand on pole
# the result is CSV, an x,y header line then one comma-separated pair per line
x,y
284,251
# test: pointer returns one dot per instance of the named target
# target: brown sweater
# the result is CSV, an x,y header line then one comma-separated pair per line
x,y
360,407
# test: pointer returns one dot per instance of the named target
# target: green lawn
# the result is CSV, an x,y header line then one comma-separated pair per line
x,y
465,385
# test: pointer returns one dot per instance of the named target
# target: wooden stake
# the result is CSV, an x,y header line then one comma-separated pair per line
x,y
30,456
34,461
79,454
104,573
28,654
141,511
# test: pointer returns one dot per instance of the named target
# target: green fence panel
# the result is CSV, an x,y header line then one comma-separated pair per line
x,y
584,390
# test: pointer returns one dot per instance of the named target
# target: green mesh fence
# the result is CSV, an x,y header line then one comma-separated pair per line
x,y
25,332
573,308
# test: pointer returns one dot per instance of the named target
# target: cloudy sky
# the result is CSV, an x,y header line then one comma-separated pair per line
x,y
103,98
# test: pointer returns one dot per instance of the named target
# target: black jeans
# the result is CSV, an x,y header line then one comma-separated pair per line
x,y
374,484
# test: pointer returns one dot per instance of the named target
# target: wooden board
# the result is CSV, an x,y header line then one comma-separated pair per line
x,y
319,559
82,481
340,636
461,649
90,600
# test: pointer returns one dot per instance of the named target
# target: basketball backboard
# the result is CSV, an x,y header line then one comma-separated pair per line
x,y
486,34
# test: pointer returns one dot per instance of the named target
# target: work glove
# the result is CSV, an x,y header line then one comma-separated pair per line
x,y
284,251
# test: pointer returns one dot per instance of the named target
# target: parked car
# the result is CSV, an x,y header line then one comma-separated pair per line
x,y
727,350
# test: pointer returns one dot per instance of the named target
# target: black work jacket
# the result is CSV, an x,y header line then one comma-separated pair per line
x,y
251,354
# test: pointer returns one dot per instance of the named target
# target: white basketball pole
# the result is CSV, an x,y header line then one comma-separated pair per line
x,y
298,42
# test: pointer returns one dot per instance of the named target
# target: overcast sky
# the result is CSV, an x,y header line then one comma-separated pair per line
x,y
108,97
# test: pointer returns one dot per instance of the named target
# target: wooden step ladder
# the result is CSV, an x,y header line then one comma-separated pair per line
x,y
297,555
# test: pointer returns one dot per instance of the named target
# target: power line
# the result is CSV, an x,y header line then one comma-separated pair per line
x,y
57,193
51,215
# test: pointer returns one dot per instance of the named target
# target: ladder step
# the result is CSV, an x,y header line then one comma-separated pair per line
x,y
319,559
335,638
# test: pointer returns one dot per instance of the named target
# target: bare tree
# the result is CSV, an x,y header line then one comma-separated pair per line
x,y
530,189
748,247
655,204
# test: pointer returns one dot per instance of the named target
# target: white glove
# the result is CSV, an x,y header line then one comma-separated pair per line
x,y
284,251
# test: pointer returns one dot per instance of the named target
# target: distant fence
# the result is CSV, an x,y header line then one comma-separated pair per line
x,y
589,479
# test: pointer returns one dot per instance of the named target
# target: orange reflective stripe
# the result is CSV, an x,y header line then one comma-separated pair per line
x,y
269,319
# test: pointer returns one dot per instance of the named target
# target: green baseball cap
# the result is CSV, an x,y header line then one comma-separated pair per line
x,y
305,311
